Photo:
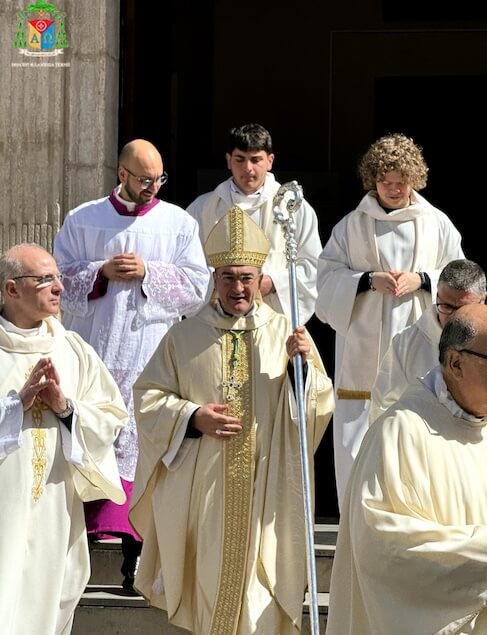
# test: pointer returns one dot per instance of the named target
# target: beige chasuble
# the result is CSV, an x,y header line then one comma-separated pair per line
x,y
223,523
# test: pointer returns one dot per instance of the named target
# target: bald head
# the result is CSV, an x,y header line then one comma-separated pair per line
x,y
31,285
467,325
140,163
139,150
463,356
475,313
21,259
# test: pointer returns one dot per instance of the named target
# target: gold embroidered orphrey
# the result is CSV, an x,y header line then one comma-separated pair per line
x,y
239,477
39,457
232,383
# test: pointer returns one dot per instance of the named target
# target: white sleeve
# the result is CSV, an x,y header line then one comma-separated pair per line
x,y
11,420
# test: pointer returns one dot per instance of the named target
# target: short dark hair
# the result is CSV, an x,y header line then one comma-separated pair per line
x,y
251,137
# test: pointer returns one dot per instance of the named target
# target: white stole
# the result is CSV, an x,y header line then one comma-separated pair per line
x,y
361,352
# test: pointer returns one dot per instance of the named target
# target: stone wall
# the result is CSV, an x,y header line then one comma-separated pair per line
x,y
59,115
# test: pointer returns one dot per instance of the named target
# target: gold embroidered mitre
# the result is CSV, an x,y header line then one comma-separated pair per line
x,y
236,240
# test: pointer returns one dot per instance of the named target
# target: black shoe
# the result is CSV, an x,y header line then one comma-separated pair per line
x,y
129,569
128,585
131,555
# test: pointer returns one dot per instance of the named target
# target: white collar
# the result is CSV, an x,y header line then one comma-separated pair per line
x,y
130,205
236,190
434,381
11,328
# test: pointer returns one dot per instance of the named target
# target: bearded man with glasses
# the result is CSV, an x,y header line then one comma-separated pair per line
x,y
133,266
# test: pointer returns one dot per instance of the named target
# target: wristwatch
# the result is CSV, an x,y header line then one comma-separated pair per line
x,y
371,285
67,412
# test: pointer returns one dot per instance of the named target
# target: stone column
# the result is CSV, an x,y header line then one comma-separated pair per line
x,y
59,113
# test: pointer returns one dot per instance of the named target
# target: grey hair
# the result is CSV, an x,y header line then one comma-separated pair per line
x,y
458,332
10,265
464,275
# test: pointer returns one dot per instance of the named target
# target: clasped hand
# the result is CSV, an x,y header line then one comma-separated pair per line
x,y
43,382
396,283
124,267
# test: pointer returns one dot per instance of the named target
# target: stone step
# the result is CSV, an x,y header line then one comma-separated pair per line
x,y
326,533
106,559
110,610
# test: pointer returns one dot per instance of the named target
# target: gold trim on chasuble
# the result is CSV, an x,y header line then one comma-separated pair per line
x,y
342,393
39,456
238,485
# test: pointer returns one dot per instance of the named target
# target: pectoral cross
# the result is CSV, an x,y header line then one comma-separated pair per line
x,y
231,384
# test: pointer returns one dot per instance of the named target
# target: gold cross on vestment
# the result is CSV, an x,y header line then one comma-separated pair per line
x,y
231,384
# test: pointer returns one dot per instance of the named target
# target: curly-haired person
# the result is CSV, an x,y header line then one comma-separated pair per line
x,y
376,275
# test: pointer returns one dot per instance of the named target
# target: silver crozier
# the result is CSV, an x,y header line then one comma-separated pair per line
x,y
286,203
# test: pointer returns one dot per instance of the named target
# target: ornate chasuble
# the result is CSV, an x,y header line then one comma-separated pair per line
x,y
213,520
238,482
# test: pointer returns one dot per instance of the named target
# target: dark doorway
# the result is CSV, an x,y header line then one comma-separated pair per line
x,y
175,48
446,116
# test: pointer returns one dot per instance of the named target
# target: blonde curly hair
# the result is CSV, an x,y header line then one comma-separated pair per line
x,y
393,152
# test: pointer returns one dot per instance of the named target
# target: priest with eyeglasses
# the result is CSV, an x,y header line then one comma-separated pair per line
x,y
60,413
411,551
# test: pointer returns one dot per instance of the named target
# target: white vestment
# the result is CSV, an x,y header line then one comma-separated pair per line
x,y
208,208
223,520
46,472
127,323
417,238
411,554
412,353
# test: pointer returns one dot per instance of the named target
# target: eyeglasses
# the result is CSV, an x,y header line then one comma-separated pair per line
x,y
447,309
43,281
467,350
245,279
145,183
